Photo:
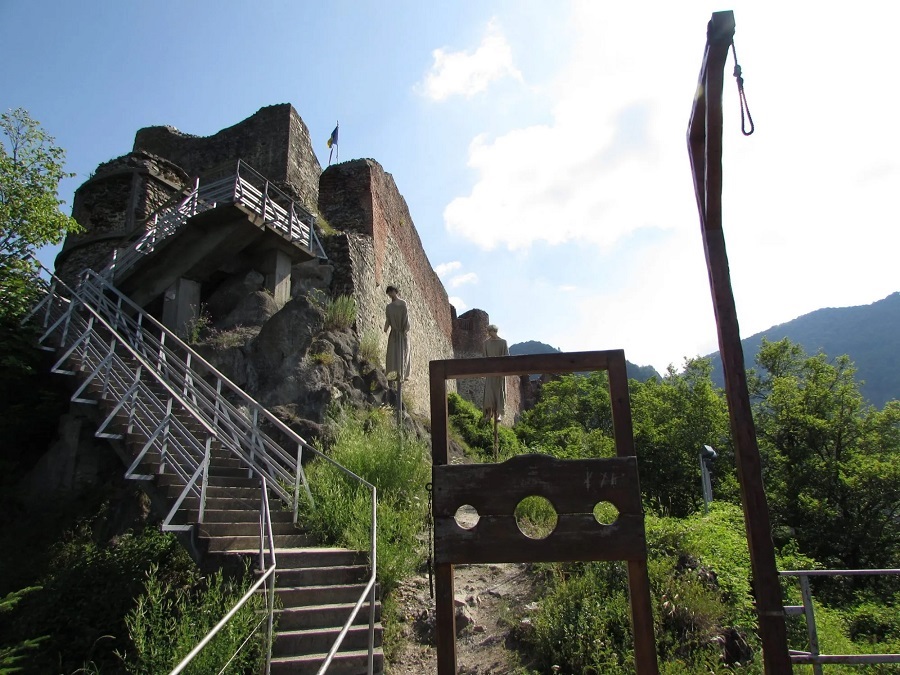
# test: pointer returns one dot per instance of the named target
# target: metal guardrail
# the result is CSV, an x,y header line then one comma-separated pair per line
x,y
129,357
247,187
813,656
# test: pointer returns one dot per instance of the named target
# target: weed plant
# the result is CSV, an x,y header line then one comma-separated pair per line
x,y
369,350
369,445
170,620
477,431
340,312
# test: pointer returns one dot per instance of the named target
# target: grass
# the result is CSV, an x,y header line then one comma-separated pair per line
x,y
169,620
369,445
369,349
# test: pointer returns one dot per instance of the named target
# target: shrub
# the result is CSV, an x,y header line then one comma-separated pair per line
x,y
369,445
369,349
340,312
169,621
477,431
323,358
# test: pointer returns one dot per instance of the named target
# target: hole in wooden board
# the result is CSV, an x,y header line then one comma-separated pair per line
x,y
466,517
605,513
535,517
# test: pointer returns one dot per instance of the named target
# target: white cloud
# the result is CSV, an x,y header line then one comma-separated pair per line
x,y
809,206
468,73
462,279
443,269
458,302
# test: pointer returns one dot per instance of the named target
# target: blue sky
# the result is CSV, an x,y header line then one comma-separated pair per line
x,y
540,145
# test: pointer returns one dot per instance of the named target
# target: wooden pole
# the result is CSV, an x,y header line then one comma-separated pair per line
x,y
445,612
705,146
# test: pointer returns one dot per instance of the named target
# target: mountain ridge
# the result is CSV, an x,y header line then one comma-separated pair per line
x,y
862,332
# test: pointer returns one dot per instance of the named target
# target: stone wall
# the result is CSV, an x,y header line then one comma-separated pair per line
x,y
274,141
469,333
113,206
379,248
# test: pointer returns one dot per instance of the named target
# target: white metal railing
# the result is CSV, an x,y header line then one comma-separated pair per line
x,y
813,656
247,187
125,355
267,579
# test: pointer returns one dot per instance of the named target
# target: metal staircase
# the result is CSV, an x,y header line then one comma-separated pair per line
x,y
246,188
213,456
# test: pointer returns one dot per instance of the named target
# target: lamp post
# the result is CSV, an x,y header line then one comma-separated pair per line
x,y
707,455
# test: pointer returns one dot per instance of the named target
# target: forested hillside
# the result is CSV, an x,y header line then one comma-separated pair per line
x,y
867,334
639,373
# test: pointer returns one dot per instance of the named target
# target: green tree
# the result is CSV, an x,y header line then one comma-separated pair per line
x,y
673,419
831,464
31,168
572,419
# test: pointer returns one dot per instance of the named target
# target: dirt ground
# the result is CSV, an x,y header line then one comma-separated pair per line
x,y
492,606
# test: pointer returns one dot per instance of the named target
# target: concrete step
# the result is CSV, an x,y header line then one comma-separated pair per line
x,y
344,663
239,542
321,576
217,481
304,596
320,640
247,529
238,516
305,558
247,494
323,616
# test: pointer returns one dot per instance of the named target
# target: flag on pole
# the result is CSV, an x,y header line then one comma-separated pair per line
x,y
332,142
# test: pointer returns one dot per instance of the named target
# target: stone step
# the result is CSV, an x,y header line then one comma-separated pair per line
x,y
344,663
323,616
242,543
321,576
165,479
247,529
304,596
237,516
303,558
247,494
320,640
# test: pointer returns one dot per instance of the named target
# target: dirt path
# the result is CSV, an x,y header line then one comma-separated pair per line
x,y
492,601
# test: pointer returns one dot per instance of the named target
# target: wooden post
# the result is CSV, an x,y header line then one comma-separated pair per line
x,y
705,146
445,612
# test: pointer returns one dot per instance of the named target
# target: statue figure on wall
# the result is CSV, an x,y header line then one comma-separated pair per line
x,y
494,402
397,320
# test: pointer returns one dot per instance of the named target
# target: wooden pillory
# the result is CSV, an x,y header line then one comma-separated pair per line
x,y
705,147
573,487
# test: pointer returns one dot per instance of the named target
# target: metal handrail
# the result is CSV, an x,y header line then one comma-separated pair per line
x,y
182,373
200,387
247,186
265,535
813,656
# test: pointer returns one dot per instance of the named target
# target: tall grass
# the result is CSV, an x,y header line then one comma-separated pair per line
x,y
169,621
369,445
340,312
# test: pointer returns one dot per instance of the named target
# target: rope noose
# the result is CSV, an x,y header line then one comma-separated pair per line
x,y
742,96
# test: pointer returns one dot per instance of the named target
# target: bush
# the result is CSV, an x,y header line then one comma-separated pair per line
x,y
477,431
340,313
169,621
369,445
369,349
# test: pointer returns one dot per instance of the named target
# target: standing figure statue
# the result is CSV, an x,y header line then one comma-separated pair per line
x,y
397,320
494,402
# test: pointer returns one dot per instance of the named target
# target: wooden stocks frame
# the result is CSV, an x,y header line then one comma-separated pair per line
x,y
705,149
573,487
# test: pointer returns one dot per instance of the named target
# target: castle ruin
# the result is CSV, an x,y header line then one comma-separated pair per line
x,y
225,266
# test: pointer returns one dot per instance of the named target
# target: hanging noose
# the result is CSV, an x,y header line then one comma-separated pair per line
x,y
742,96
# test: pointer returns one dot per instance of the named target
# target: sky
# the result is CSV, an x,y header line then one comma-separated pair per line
x,y
540,145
